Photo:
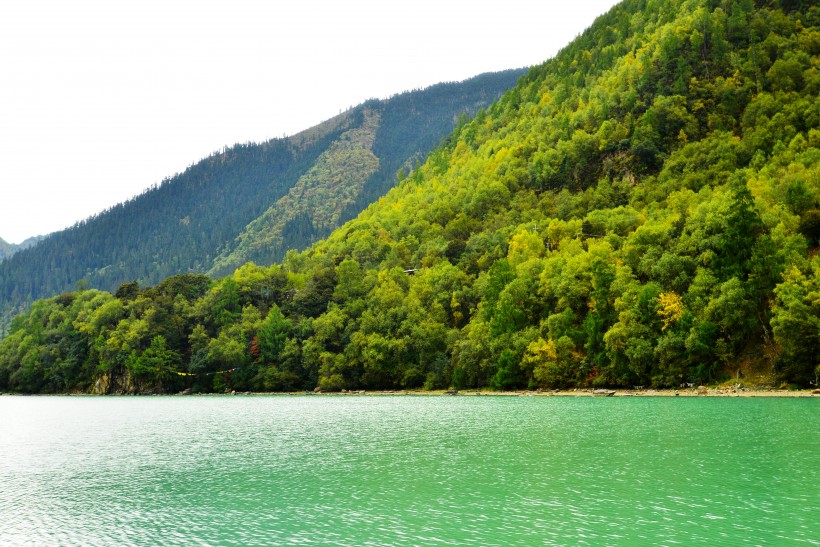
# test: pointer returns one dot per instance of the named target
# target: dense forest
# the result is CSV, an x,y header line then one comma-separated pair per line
x,y
642,209
189,220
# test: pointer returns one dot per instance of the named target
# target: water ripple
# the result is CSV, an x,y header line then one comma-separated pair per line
x,y
291,470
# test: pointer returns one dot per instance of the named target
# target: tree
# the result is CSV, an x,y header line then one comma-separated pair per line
x,y
157,364
670,308
796,324
313,299
227,307
742,228
552,362
810,226
272,335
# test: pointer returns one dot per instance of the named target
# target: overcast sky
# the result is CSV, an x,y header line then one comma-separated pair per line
x,y
101,99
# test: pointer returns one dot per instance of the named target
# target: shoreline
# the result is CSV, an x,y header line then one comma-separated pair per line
x,y
586,392
688,392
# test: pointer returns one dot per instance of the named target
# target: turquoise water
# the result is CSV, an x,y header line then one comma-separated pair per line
x,y
408,470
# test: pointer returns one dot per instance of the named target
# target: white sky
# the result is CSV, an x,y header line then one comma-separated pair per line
x,y
100,99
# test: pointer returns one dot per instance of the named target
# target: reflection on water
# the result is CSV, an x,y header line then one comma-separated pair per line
x,y
262,470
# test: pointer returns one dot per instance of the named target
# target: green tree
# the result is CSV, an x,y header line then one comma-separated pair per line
x,y
796,324
272,335
157,364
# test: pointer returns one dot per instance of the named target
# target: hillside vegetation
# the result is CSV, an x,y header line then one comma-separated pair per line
x,y
640,210
315,203
203,219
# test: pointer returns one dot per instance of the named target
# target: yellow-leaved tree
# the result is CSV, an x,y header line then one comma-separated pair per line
x,y
670,308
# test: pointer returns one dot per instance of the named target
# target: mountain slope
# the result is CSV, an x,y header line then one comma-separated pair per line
x,y
643,209
7,249
390,134
183,224
314,205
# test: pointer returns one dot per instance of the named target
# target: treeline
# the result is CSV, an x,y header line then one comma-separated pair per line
x,y
186,222
644,209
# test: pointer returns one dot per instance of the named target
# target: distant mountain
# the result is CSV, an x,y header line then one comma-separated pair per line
x,y
7,249
249,201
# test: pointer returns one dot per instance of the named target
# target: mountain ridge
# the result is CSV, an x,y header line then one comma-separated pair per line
x,y
184,223
7,249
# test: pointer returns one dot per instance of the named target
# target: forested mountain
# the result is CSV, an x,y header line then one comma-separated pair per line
x,y
186,222
7,249
640,210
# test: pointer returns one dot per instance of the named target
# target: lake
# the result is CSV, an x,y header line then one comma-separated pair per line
x,y
409,470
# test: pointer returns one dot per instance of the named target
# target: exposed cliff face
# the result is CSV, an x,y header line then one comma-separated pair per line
x,y
116,385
